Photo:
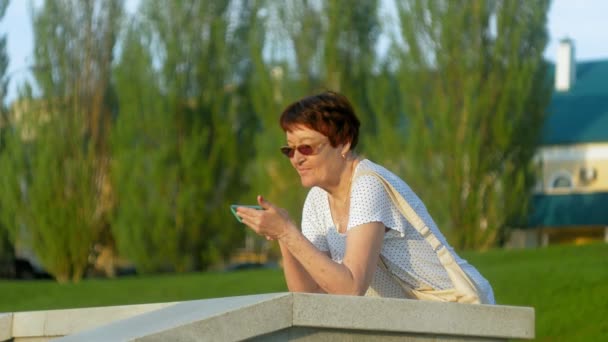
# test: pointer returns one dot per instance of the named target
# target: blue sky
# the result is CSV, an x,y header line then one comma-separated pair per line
x,y
584,21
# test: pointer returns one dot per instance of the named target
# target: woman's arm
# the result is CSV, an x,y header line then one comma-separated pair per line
x,y
352,276
296,277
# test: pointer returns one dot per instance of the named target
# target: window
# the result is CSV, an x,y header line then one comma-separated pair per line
x,y
561,180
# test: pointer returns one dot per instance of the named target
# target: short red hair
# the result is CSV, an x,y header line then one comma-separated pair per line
x,y
328,113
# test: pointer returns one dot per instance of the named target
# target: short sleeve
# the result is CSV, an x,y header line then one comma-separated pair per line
x,y
312,226
371,203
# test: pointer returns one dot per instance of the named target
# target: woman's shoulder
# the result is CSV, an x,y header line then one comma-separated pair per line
x,y
316,193
397,182
314,209
367,165
365,185
315,198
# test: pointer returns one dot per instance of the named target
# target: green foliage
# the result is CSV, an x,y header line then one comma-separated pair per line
x,y
350,53
185,123
6,248
3,67
383,135
269,174
49,202
472,74
55,159
183,135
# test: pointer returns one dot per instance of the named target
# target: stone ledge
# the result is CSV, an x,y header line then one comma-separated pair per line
x,y
57,323
250,317
412,316
220,319
6,326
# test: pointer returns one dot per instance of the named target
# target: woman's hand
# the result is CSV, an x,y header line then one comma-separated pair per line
x,y
272,222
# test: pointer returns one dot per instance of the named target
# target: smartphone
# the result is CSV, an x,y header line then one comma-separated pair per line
x,y
234,206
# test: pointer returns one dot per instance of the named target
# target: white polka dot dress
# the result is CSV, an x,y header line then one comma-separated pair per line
x,y
405,251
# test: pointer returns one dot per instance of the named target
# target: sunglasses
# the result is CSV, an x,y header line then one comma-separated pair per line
x,y
304,149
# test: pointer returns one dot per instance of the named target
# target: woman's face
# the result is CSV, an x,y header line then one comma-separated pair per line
x,y
320,168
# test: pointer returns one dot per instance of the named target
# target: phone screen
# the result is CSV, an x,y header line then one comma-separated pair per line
x,y
234,206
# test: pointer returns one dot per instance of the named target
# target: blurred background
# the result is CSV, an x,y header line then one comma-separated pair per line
x,y
128,128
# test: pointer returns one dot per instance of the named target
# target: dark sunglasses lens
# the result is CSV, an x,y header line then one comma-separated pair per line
x,y
305,149
287,151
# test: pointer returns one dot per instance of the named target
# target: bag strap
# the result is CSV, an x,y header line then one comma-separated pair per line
x,y
445,257
406,209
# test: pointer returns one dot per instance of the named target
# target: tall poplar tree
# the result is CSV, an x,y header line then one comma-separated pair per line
x,y
57,159
183,134
5,244
270,88
473,79
350,53
3,65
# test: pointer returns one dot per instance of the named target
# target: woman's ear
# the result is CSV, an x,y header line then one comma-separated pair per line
x,y
345,149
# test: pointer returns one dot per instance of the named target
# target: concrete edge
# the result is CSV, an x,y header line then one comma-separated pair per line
x,y
6,326
243,317
69,321
188,314
402,315
237,325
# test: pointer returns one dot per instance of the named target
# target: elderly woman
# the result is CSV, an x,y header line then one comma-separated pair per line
x,y
356,236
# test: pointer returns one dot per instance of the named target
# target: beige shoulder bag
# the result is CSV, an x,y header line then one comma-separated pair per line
x,y
464,291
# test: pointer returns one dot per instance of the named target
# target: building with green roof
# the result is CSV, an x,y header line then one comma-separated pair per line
x,y
572,193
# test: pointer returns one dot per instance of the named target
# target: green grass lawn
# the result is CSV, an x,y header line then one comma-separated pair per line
x,y
567,285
